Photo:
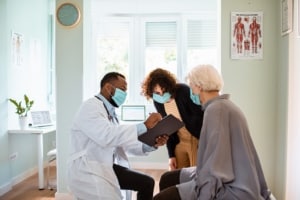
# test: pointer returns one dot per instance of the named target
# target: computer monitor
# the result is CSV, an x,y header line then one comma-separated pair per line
x,y
133,112
41,118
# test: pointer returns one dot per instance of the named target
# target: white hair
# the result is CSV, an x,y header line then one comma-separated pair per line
x,y
207,77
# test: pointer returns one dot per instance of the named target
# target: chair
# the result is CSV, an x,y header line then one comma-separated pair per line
x,y
51,156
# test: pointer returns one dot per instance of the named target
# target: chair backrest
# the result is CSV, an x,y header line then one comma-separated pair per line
x,y
52,154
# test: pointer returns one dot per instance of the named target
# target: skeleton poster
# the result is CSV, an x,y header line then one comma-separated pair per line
x,y
17,49
246,35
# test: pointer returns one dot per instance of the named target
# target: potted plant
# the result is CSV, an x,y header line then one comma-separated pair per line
x,y
21,110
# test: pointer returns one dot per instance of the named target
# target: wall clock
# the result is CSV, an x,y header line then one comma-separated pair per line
x,y
68,14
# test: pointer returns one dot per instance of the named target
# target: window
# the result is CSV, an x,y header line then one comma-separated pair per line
x,y
160,46
136,44
113,48
201,42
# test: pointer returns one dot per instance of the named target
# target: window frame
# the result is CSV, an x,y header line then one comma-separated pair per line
x,y
137,46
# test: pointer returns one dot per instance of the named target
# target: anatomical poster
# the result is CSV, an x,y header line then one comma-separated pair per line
x,y
246,35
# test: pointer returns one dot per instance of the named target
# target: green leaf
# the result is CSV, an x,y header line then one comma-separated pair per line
x,y
14,102
26,99
20,110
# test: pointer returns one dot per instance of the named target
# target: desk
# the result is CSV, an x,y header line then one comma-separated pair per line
x,y
39,132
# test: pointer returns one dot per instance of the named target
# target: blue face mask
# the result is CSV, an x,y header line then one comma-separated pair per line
x,y
161,99
195,98
119,97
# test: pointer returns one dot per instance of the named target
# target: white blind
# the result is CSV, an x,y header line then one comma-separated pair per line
x,y
201,33
161,34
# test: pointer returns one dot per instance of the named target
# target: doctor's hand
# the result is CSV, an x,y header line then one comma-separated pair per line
x,y
161,140
152,120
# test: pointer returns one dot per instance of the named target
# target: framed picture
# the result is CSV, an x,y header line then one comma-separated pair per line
x,y
286,16
246,35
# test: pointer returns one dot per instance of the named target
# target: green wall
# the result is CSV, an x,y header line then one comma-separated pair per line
x,y
259,87
4,163
69,77
31,19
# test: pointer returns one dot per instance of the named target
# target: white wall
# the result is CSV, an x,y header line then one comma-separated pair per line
x,y
293,136
147,7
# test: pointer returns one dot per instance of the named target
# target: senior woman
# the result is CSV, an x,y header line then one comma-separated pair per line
x,y
228,166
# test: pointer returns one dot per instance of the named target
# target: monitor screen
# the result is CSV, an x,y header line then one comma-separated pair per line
x,y
133,112
41,118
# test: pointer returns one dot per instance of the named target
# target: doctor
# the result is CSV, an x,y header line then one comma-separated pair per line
x,y
98,165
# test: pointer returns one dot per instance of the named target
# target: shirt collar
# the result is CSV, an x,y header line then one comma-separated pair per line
x,y
110,108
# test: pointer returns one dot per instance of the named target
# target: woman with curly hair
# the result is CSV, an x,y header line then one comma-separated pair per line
x,y
171,97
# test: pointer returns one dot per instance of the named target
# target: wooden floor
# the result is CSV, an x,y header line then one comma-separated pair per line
x,y
28,189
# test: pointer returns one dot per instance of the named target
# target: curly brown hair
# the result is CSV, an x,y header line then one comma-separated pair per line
x,y
165,79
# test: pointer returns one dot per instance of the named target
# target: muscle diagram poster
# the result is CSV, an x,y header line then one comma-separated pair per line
x,y
246,35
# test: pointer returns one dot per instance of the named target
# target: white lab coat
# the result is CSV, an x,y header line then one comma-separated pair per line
x,y
97,143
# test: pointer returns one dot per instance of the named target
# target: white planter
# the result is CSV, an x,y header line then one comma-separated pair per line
x,y
23,122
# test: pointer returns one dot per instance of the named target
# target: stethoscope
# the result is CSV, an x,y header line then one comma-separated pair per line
x,y
110,117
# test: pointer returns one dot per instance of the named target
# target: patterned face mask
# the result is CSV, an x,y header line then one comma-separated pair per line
x,y
161,99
